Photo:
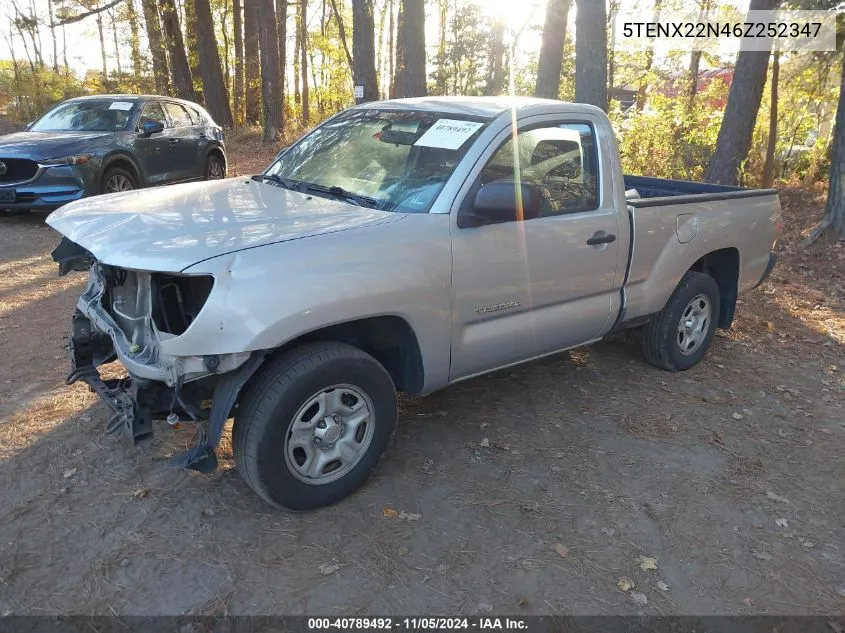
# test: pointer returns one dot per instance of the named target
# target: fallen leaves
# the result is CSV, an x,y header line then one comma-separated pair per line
x,y
647,563
774,497
390,513
329,568
639,599
662,586
761,555
736,415
69,473
625,584
141,493
561,550
484,443
782,523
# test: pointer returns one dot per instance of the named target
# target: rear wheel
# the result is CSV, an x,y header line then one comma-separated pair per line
x,y
117,179
313,425
678,337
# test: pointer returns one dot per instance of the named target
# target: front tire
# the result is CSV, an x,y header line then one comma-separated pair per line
x,y
117,179
679,336
313,424
215,167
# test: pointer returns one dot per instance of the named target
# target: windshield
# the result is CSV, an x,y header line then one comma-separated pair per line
x,y
397,160
106,115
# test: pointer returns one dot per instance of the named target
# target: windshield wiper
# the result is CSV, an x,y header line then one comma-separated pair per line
x,y
287,183
340,192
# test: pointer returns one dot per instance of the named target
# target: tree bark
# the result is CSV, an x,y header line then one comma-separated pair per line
x,y
550,63
214,90
53,35
252,69
834,212
152,23
744,98
363,49
591,53
134,38
412,36
116,45
391,51
495,82
769,165
341,30
180,72
271,94
237,26
642,89
441,76
103,49
282,30
192,46
303,61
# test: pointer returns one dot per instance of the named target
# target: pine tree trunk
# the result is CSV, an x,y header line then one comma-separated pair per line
x,y
282,29
769,166
303,61
413,36
134,38
214,90
550,63
363,49
591,53
496,60
391,51
180,72
237,26
252,68
152,24
271,94
341,31
53,35
834,214
116,46
103,49
744,99
191,30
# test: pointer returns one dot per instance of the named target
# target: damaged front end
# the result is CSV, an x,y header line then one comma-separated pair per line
x,y
126,315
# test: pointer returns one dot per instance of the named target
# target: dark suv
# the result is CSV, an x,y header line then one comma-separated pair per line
x,y
105,144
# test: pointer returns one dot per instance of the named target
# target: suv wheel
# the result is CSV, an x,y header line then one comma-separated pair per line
x,y
117,179
215,168
313,424
678,337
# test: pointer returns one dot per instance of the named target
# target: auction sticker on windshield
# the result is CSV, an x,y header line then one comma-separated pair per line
x,y
121,105
448,134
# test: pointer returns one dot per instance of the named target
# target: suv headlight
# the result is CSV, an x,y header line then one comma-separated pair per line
x,y
78,159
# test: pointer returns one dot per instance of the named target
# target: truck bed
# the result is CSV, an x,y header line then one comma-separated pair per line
x,y
661,191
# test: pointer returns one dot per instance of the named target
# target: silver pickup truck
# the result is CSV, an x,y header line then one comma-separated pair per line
x,y
399,246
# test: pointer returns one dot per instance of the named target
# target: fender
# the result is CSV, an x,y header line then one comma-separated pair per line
x,y
118,154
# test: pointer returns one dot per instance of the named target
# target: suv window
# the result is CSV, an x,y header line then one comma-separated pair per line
x,y
196,115
178,114
152,112
559,159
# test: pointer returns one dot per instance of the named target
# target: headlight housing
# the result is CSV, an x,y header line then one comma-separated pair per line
x,y
76,159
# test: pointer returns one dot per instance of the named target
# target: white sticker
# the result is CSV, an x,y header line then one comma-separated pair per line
x,y
121,105
448,134
359,92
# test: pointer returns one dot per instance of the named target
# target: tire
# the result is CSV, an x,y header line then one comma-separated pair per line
x,y
215,167
117,179
666,342
274,430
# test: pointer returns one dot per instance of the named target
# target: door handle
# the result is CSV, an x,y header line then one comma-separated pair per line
x,y
600,237
173,142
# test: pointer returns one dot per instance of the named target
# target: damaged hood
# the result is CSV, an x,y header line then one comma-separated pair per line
x,y
174,227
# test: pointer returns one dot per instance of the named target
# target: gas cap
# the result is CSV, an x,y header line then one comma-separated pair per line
x,y
687,227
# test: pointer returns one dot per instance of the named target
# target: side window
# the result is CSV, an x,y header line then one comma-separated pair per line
x,y
178,114
152,112
560,160
196,116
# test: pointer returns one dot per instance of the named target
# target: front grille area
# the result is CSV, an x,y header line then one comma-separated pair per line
x,y
17,169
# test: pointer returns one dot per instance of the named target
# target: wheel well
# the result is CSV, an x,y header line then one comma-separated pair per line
x,y
388,339
216,151
123,163
723,267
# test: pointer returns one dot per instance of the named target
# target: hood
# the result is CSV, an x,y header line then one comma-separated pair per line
x,y
171,228
41,145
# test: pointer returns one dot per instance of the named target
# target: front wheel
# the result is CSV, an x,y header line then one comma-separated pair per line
x,y
313,425
215,168
679,336
117,179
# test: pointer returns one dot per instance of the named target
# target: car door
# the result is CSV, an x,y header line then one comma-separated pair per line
x,y
184,142
527,288
155,152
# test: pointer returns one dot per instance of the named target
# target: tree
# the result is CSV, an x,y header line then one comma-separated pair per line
x,y
550,63
771,144
363,49
134,38
282,30
496,60
303,60
271,76
744,99
192,45
237,27
180,72
412,34
152,25
214,91
397,87
252,69
591,53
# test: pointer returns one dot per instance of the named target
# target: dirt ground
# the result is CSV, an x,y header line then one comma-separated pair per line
x,y
529,491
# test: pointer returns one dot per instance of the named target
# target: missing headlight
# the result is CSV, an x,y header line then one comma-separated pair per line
x,y
178,299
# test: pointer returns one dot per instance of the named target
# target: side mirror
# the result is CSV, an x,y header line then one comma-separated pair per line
x,y
496,202
148,128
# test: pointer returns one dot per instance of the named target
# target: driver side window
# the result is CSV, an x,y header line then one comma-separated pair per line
x,y
559,160
152,112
